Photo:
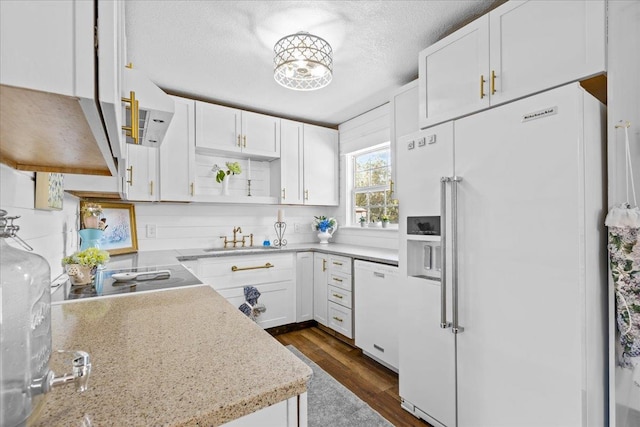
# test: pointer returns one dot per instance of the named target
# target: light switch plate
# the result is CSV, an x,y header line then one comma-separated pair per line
x,y
151,231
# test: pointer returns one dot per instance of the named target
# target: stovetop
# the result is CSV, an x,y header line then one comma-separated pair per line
x,y
105,284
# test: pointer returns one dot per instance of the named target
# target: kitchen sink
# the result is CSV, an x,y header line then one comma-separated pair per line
x,y
240,248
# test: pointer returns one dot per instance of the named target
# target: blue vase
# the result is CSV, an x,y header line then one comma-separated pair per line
x,y
90,238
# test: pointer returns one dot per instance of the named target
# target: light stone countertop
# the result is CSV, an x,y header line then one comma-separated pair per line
x,y
379,255
181,357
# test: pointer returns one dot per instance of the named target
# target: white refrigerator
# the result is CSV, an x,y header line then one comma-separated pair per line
x,y
514,331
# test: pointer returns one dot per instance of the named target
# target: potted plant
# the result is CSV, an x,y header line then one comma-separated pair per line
x,y
90,213
385,221
325,227
81,266
363,221
233,168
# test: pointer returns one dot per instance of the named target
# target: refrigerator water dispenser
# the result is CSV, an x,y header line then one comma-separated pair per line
x,y
424,259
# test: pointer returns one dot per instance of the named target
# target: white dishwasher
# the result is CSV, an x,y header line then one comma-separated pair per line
x,y
376,311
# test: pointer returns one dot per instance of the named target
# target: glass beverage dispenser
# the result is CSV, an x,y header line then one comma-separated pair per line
x,y
25,331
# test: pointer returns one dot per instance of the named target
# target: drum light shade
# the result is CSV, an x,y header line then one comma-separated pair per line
x,y
303,62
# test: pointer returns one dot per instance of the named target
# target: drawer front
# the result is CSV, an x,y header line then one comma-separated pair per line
x,y
278,298
339,296
342,281
249,270
339,264
340,319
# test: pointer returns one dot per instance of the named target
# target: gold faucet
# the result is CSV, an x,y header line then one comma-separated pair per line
x,y
235,241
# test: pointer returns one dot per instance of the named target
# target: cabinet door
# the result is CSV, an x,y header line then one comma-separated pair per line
x,y
291,163
278,299
320,166
304,286
454,74
404,120
177,154
141,173
260,135
376,311
320,276
112,59
218,128
536,45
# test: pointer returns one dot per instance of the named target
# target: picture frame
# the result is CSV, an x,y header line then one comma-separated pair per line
x,y
49,194
120,235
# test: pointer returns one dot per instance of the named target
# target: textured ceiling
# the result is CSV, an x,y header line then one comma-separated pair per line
x,y
222,51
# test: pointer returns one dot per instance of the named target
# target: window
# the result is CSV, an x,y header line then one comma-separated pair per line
x,y
371,197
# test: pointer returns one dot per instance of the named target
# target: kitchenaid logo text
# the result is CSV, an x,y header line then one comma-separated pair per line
x,y
539,114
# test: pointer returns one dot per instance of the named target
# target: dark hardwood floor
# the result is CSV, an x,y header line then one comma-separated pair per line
x,y
372,382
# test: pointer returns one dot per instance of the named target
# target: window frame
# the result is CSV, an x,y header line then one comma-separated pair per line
x,y
352,219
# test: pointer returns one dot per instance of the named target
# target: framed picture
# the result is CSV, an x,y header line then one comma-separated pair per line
x,y
120,235
49,191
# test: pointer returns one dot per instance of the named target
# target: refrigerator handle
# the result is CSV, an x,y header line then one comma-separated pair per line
x,y
443,252
456,328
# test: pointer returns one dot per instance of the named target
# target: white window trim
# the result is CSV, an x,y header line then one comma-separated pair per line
x,y
350,190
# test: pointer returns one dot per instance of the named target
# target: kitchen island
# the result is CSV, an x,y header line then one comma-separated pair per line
x,y
179,357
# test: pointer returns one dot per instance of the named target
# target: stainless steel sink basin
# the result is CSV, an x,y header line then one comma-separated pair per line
x,y
240,248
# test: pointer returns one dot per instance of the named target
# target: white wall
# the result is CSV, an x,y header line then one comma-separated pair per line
x,y
200,225
52,234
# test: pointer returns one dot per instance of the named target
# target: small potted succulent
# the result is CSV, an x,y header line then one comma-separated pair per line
x,y
81,266
385,221
363,221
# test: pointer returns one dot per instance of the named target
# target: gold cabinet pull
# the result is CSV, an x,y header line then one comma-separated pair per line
x,y
284,193
239,141
482,81
306,194
391,187
338,319
151,188
267,265
335,279
133,130
493,82
244,141
324,265
192,189
337,263
130,180
337,296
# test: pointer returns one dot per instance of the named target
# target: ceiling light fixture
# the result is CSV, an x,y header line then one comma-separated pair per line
x,y
303,62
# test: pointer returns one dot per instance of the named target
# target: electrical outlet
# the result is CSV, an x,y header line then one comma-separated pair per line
x,y
297,228
151,231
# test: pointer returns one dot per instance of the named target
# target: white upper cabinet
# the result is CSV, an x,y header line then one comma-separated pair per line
x,y
453,73
177,154
404,120
320,166
260,135
518,49
141,177
291,164
537,45
229,130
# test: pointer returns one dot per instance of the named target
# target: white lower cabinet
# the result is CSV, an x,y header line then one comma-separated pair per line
x,y
320,277
376,311
272,274
340,319
288,413
304,286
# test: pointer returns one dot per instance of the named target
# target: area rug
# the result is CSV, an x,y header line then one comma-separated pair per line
x,y
332,404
